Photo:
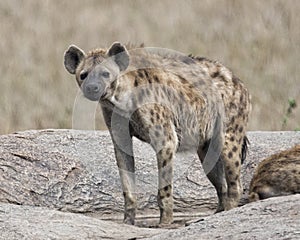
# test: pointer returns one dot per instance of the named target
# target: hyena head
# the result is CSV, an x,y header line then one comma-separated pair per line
x,y
96,70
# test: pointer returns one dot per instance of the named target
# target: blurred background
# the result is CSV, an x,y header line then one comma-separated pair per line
x,y
258,40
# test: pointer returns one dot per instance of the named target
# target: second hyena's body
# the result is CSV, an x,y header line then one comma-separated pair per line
x,y
173,102
277,175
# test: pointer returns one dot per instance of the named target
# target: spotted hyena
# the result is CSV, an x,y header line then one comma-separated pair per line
x,y
173,102
277,175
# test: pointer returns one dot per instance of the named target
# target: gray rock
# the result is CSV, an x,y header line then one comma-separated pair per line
x,y
273,218
27,222
75,171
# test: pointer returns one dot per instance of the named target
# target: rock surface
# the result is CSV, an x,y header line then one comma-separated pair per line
x,y
75,171
26,222
274,218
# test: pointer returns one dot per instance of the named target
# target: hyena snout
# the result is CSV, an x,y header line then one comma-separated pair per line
x,y
93,91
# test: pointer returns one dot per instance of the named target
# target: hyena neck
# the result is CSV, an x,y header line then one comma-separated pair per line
x,y
120,95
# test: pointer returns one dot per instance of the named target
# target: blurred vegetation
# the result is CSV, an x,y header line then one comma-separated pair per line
x,y
259,40
292,105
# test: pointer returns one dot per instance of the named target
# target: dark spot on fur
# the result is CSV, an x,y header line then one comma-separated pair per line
x,y
146,73
232,120
237,163
241,129
156,79
117,97
183,80
223,78
136,82
164,163
232,183
235,80
152,120
232,106
113,85
241,98
200,59
230,172
230,155
157,116
140,73
118,89
234,149
168,195
168,151
156,108
215,74
232,139
151,112
190,95
166,188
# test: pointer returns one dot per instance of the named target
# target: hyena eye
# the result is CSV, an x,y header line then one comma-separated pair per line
x,y
83,75
105,74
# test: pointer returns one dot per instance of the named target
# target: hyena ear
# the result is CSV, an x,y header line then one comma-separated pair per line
x,y
73,56
119,54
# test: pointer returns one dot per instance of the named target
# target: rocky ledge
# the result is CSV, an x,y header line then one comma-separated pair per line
x,y
63,184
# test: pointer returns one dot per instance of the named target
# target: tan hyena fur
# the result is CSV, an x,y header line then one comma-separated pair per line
x,y
277,175
174,102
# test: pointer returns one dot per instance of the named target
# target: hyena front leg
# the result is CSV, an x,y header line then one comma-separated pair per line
x,y
165,144
126,167
122,141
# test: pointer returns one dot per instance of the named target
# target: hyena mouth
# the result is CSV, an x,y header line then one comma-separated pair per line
x,y
93,92
92,97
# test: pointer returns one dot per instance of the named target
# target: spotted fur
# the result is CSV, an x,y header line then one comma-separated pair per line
x,y
277,175
174,102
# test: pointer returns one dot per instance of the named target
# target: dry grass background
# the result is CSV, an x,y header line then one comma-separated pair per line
x,y
258,40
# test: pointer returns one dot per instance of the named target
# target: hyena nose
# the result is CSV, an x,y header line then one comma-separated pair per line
x,y
92,88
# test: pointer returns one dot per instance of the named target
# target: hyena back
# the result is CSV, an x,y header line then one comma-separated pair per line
x,y
174,102
277,175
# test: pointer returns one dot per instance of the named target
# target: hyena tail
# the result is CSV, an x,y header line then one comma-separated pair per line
x,y
244,149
